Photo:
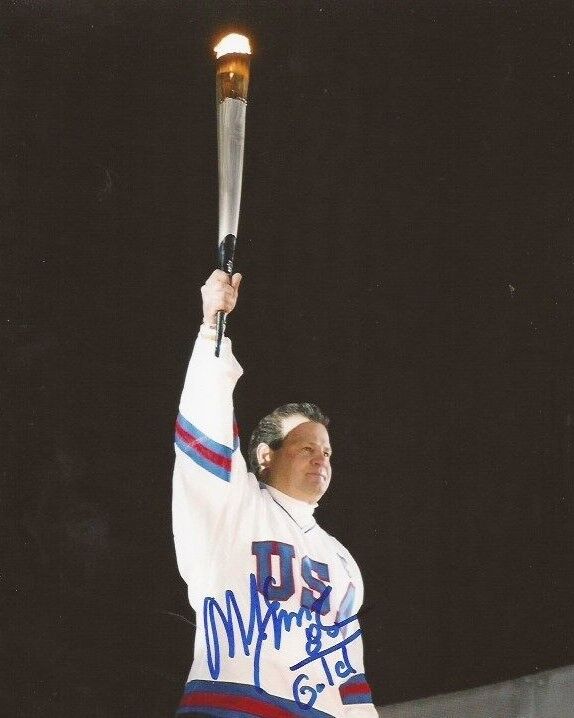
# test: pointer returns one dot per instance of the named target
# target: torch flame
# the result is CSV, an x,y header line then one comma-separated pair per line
x,y
232,43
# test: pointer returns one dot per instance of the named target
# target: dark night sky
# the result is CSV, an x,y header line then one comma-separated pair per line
x,y
408,264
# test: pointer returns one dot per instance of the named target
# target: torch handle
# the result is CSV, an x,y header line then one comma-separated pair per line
x,y
226,253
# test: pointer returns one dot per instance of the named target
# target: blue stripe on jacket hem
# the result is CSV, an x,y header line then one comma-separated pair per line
x,y
219,690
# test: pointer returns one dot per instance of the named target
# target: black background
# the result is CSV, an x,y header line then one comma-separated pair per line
x,y
406,246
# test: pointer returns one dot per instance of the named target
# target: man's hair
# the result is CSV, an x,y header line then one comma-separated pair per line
x,y
270,431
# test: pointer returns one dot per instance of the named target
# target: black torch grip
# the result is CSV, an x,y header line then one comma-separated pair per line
x,y
226,253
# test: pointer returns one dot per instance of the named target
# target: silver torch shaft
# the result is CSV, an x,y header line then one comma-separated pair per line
x,y
231,85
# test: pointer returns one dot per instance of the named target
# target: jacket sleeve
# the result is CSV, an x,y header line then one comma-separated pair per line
x,y
210,476
355,692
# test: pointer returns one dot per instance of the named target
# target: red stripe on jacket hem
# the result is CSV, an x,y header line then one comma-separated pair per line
x,y
247,705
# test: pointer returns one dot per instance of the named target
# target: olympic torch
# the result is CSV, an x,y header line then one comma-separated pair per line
x,y
231,83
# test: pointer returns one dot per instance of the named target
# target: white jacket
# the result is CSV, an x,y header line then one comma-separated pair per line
x,y
264,579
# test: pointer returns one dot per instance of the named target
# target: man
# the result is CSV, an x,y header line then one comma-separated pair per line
x,y
275,596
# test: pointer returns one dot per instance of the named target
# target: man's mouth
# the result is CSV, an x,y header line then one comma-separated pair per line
x,y
317,475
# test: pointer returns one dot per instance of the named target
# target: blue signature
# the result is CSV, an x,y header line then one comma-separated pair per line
x,y
275,620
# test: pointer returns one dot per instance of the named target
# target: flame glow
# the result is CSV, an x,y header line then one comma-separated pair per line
x,y
233,43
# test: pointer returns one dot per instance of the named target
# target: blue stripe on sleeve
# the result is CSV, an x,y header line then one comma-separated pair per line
x,y
202,461
206,441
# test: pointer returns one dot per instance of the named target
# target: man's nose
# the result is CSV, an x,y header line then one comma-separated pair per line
x,y
320,459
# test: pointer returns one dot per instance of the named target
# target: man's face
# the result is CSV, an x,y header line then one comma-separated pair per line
x,y
301,467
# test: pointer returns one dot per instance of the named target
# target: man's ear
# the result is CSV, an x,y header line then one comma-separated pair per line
x,y
264,455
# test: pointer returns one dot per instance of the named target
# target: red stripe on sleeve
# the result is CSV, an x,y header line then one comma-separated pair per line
x,y
354,689
222,461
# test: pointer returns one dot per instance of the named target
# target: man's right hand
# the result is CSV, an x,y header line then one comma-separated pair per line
x,y
218,294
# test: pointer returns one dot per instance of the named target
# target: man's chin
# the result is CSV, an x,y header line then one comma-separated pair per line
x,y
316,492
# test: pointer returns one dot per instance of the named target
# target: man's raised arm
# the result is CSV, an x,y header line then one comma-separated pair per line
x,y
209,471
